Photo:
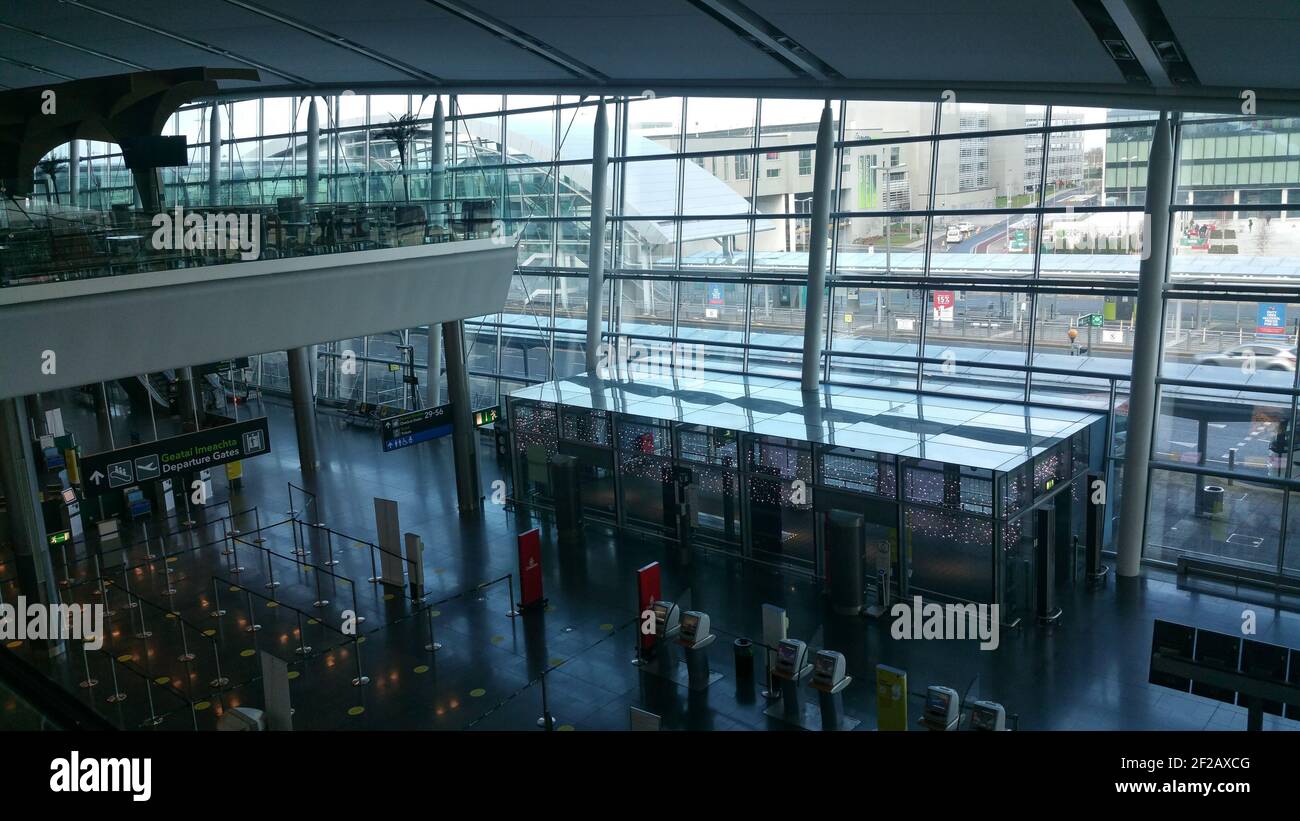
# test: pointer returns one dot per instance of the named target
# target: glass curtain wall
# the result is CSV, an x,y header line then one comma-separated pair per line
x,y
982,250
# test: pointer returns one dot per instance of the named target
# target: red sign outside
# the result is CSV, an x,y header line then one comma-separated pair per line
x,y
944,299
530,568
647,593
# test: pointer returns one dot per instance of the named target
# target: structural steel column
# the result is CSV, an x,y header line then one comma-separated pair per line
x,y
304,408
18,473
469,495
819,230
1146,350
437,190
596,244
313,151
214,155
74,171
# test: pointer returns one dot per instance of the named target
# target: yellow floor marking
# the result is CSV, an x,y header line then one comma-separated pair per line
x,y
423,668
356,711
478,692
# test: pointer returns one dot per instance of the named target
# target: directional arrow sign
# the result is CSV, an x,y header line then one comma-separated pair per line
x,y
96,477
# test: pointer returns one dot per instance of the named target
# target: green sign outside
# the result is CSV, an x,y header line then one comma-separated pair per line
x,y
1094,320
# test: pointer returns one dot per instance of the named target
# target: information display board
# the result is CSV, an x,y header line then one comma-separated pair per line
x,y
170,458
398,432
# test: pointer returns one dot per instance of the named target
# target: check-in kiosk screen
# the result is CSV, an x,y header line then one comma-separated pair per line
x,y
825,666
786,657
984,719
937,704
690,624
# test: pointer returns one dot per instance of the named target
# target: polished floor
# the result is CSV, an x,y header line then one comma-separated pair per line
x,y
1087,672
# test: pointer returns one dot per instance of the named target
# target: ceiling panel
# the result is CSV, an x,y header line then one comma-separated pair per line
x,y
666,39
423,35
32,49
1242,45
946,40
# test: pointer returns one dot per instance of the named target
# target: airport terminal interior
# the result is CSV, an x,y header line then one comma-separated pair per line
x,y
685,365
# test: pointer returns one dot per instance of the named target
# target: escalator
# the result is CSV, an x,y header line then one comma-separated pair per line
x,y
153,387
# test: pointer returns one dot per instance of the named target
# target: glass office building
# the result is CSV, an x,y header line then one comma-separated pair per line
x,y
986,252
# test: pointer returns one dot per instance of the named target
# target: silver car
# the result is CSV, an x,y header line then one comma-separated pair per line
x,y
1269,356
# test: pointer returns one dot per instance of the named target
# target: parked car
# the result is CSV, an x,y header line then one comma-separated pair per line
x,y
954,235
1269,356
966,228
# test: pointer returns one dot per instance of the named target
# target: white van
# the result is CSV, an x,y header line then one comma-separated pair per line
x,y
954,235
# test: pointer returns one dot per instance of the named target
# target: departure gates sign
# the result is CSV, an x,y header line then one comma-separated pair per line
x,y
175,457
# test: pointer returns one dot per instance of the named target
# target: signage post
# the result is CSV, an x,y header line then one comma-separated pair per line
x,y
647,593
530,569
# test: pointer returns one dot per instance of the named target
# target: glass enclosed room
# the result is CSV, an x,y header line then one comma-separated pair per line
x,y
754,467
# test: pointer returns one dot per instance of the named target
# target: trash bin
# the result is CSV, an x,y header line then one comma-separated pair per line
x,y
1212,500
744,652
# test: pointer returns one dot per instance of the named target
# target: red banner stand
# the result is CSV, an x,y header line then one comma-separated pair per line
x,y
530,570
647,593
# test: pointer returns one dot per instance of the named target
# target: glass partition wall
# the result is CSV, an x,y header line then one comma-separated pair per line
x,y
976,250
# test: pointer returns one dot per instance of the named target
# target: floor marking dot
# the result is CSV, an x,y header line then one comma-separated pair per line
x,y
234,589
423,668
361,640
203,705
162,680
170,560
389,597
14,644
170,615
356,711
498,639
435,613
124,658
248,652
293,674
312,621
272,604
607,627
565,728
478,692
209,632
555,661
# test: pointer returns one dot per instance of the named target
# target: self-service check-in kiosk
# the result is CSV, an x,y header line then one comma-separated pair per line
x,y
695,638
667,627
942,709
792,667
830,680
987,716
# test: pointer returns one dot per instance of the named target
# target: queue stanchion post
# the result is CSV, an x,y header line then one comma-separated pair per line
x,y
321,601
547,721
302,648
362,679
89,682
186,656
433,646
374,571
360,618
131,603
216,612
329,547
257,520
220,681
144,630
154,719
103,591
253,626
270,573
514,608
291,512
148,543
227,539
118,696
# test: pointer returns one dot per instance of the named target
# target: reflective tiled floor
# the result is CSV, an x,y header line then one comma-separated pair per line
x,y
1087,672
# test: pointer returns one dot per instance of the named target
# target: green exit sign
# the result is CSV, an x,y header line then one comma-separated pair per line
x,y
61,537
487,416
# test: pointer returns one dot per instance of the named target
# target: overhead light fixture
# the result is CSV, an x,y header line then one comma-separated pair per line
x,y
1119,49
1168,51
